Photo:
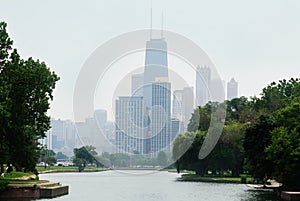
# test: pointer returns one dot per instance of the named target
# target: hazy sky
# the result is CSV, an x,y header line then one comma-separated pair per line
x,y
255,42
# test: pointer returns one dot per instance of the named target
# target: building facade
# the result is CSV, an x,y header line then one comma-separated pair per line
x,y
203,84
232,89
161,116
129,117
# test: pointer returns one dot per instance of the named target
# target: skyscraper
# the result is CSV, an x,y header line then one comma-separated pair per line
x,y
232,89
203,82
161,115
129,116
101,117
156,65
183,105
137,82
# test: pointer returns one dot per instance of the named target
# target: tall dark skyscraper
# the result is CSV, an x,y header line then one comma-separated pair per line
x,y
156,65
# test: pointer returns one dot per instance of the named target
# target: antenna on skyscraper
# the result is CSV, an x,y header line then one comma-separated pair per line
x,y
162,24
151,21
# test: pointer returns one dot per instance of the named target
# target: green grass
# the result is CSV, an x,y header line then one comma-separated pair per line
x,y
68,168
14,175
249,179
14,181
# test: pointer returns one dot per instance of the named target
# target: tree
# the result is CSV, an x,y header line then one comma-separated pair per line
x,y
278,95
26,88
200,119
84,155
119,160
257,138
47,156
5,47
284,149
162,159
61,156
186,149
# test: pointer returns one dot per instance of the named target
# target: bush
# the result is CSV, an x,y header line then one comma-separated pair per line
x,y
243,180
3,185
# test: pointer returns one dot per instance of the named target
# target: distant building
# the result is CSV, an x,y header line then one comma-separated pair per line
x,y
175,128
61,137
203,82
161,115
217,90
183,105
232,89
156,65
101,117
137,82
89,133
129,116
58,134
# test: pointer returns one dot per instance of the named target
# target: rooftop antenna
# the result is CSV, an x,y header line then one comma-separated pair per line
x,y
162,24
151,21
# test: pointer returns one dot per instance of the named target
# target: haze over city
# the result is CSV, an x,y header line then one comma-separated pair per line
x,y
255,42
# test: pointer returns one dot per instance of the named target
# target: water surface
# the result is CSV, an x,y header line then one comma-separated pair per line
x,y
149,186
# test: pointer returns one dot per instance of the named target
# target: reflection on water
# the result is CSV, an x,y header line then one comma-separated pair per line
x,y
150,186
259,195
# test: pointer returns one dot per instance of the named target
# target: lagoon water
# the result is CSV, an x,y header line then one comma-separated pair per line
x,y
149,186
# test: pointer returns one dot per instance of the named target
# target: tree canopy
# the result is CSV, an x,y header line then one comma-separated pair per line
x,y
26,87
261,137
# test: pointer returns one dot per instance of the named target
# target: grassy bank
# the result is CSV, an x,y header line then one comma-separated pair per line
x,y
217,179
68,169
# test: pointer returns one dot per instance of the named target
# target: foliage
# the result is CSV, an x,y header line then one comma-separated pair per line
x,y
162,158
60,155
4,184
261,136
257,137
83,156
284,149
26,88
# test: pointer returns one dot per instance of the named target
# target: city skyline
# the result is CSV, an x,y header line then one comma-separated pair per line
x,y
263,46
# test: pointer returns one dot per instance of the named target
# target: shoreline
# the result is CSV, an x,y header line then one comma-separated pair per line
x,y
70,171
208,179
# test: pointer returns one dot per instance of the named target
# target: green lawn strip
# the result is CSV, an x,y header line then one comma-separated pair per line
x,y
216,178
14,181
68,168
14,175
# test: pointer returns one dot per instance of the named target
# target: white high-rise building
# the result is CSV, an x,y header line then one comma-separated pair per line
x,y
130,123
161,116
183,105
203,82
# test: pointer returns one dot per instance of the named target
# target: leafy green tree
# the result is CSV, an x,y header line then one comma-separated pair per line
x,y
257,138
102,161
84,155
162,158
26,88
50,160
61,156
120,160
278,95
228,154
47,156
200,119
186,149
284,149
5,47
